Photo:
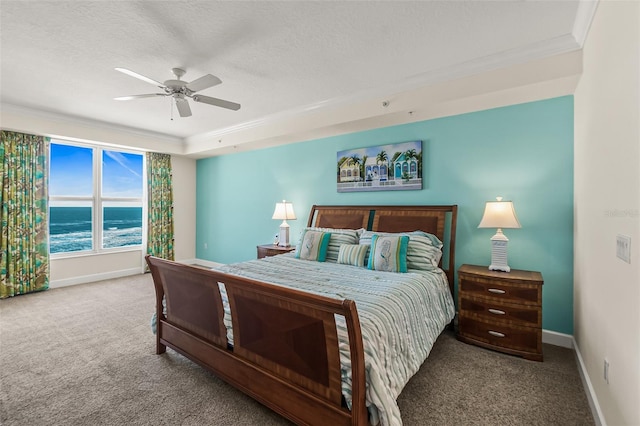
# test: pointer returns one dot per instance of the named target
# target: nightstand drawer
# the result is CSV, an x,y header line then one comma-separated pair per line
x,y
492,310
525,339
528,294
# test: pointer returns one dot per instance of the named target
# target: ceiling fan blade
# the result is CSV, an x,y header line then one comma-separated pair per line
x,y
183,107
204,82
148,95
216,102
140,77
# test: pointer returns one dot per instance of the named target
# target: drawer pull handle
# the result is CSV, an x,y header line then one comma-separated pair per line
x,y
496,291
495,333
497,311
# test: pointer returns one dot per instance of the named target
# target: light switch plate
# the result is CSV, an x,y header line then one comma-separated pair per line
x,y
623,247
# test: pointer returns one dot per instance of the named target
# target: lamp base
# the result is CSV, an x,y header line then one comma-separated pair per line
x,y
501,268
499,252
283,240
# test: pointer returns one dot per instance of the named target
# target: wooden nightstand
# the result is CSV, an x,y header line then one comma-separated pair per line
x,y
501,310
266,250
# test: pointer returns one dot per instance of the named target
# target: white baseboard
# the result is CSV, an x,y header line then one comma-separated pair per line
x,y
94,277
84,279
557,339
188,261
206,263
596,412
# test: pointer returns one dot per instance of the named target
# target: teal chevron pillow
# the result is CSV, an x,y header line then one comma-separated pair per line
x,y
313,245
352,254
388,253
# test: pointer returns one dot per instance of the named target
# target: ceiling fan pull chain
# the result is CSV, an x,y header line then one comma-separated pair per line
x,y
171,107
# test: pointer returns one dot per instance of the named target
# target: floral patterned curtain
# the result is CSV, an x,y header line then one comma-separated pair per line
x,y
160,218
24,235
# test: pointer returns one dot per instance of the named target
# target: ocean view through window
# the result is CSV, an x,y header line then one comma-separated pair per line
x,y
95,200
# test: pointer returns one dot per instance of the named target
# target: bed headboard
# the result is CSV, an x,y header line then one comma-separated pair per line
x,y
437,220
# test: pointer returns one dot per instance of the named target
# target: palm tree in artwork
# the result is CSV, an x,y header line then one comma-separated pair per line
x,y
355,161
382,157
410,154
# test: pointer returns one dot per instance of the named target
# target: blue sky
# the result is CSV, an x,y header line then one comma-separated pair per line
x,y
71,171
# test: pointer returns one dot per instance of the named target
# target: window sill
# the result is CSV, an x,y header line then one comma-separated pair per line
x,y
71,255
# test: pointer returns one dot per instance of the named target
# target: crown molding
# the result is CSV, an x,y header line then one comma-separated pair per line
x,y
562,44
84,122
584,17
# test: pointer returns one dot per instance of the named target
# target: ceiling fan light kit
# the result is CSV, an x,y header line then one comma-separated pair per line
x,y
180,90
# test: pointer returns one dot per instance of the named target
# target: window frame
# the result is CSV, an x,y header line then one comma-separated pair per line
x,y
97,201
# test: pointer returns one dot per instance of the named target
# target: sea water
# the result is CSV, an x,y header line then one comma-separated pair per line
x,y
70,228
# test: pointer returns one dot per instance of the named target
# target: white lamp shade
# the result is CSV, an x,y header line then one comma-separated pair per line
x,y
499,214
284,211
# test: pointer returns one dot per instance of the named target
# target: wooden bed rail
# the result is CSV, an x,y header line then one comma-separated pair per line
x,y
285,344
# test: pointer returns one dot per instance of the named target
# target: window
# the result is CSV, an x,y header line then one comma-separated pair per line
x,y
95,198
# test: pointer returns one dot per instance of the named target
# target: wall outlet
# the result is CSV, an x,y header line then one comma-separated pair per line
x,y
623,247
606,370
206,246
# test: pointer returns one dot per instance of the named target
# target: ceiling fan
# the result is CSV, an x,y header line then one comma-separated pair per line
x,y
181,90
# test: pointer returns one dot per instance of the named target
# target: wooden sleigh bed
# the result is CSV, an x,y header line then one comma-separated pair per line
x,y
284,350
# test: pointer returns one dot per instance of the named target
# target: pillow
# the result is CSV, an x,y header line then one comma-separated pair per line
x,y
388,253
424,250
338,238
352,254
313,245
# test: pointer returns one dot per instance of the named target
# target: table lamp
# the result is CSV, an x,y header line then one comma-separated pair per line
x,y
499,214
284,211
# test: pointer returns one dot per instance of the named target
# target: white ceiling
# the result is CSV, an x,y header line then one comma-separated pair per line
x,y
277,59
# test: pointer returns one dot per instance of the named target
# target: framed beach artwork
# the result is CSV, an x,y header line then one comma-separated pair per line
x,y
394,167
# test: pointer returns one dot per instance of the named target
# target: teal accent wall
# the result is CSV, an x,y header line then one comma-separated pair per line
x,y
523,153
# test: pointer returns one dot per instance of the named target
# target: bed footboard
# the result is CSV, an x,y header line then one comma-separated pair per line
x,y
285,346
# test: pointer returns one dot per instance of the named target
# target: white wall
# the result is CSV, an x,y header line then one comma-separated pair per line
x,y
93,267
184,207
607,203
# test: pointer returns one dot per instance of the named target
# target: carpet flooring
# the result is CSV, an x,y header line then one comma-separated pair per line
x,y
85,355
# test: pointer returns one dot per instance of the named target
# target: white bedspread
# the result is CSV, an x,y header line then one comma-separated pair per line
x,y
401,315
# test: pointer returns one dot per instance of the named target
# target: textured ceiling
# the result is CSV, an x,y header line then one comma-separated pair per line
x,y
274,58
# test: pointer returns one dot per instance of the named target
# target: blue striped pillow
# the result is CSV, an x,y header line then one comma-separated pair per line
x,y
388,253
352,254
